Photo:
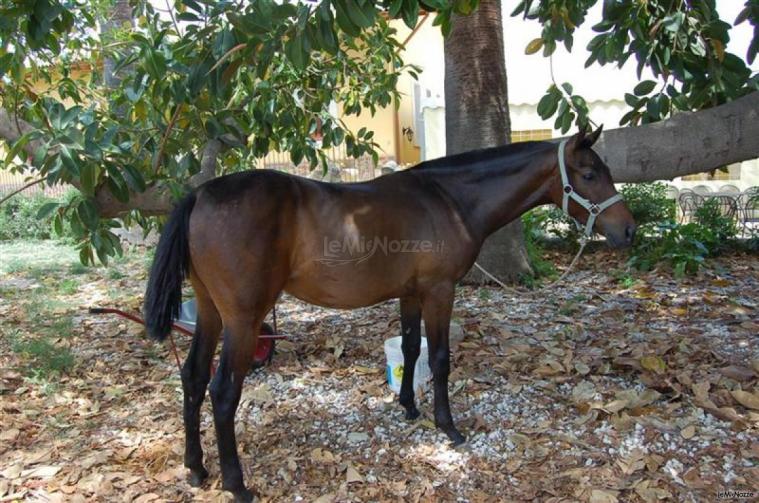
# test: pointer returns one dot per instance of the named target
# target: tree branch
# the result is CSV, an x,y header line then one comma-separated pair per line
x,y
12,128
156,199
211,152
28,185
687,143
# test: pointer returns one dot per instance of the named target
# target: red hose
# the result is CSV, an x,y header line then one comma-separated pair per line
x,y
175,326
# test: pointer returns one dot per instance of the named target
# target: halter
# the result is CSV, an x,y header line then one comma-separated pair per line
x,y
593,209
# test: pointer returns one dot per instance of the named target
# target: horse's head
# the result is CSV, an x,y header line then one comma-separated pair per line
x,y
585,190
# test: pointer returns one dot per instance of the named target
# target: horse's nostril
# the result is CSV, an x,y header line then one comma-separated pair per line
x,y
630,232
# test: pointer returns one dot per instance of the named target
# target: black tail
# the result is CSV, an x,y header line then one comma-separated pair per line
x,y
163,298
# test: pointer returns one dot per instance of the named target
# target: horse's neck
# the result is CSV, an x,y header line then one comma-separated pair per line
x,y
489,197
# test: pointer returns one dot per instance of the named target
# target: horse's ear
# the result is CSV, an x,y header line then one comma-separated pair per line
x,y
590,139
576,141
583,139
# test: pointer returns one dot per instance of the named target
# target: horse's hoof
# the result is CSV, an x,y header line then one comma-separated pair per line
x,y
456,437
244,496
412,413
197,477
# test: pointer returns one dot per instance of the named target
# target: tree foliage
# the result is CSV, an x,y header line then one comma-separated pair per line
x,y
682,43
256,77
206,87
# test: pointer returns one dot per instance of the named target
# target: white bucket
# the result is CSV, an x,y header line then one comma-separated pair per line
x,y
394,371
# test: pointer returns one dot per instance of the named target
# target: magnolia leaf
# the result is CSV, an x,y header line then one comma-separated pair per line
x,y
653,363
534,46
748,400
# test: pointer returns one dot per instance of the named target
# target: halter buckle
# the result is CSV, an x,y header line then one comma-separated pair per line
x,y
568,189
594,209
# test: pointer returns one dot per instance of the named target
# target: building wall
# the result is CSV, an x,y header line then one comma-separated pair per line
x,y
382,123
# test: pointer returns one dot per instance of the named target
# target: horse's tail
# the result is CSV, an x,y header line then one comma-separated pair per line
x,y
163,298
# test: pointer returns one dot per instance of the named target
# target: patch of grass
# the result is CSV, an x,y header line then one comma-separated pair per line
x,y
36,257
572,305
62,326
623,278
46,358
78,268
68,286
115,274
483,293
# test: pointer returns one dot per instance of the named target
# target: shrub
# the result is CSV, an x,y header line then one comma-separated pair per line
x,y
680,246
534,223
684,247
723,228
648,202
18,218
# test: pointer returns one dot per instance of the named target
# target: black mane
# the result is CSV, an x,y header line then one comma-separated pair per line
x,y
514,154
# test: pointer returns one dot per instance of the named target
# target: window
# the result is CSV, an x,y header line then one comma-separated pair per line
x,y
733,172
531,135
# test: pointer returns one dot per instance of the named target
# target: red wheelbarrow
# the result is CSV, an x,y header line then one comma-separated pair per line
x,y
185,324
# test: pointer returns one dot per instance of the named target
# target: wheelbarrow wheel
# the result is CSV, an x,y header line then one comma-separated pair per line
x,y
264,351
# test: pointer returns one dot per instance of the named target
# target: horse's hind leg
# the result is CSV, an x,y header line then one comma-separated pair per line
x,y
240,337
411,317
196,373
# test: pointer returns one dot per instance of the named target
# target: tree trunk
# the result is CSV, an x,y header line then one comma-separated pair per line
x,y
477,116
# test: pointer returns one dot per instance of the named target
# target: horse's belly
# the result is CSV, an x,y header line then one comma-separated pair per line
x,y
341,289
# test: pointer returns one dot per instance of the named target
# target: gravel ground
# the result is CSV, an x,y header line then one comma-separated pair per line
x,y
603,390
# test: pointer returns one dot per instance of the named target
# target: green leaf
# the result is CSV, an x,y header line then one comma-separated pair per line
x,y
395,8
47,209
534,46
296,52
653,107
58,224
644,87
88,177
673,22
631,100
88,214
18,146
343,20
362,16
134,178
410,13
547,105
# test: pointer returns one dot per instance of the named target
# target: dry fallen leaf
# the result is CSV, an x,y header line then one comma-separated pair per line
x,y
738,373
603,496
748,400
688,432
615,406
41,472
653,363
352,475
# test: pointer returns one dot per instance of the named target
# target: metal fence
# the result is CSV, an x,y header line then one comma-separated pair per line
x,y
10,182
350,169
343,168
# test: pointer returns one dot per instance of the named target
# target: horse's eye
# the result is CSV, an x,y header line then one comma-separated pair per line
x,y
588,176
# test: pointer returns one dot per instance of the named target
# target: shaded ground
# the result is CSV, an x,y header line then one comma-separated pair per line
x,y
612,388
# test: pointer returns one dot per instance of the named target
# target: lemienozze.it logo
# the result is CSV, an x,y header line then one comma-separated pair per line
x,y
354,250
735,495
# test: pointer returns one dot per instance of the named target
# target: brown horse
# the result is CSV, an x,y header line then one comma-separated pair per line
x,y
244,238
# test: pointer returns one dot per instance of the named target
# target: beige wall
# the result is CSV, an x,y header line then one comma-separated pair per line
x,y
382,125
425,49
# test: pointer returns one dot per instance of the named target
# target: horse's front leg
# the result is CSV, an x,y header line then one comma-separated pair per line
x,y
411,319
240,336
437,304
